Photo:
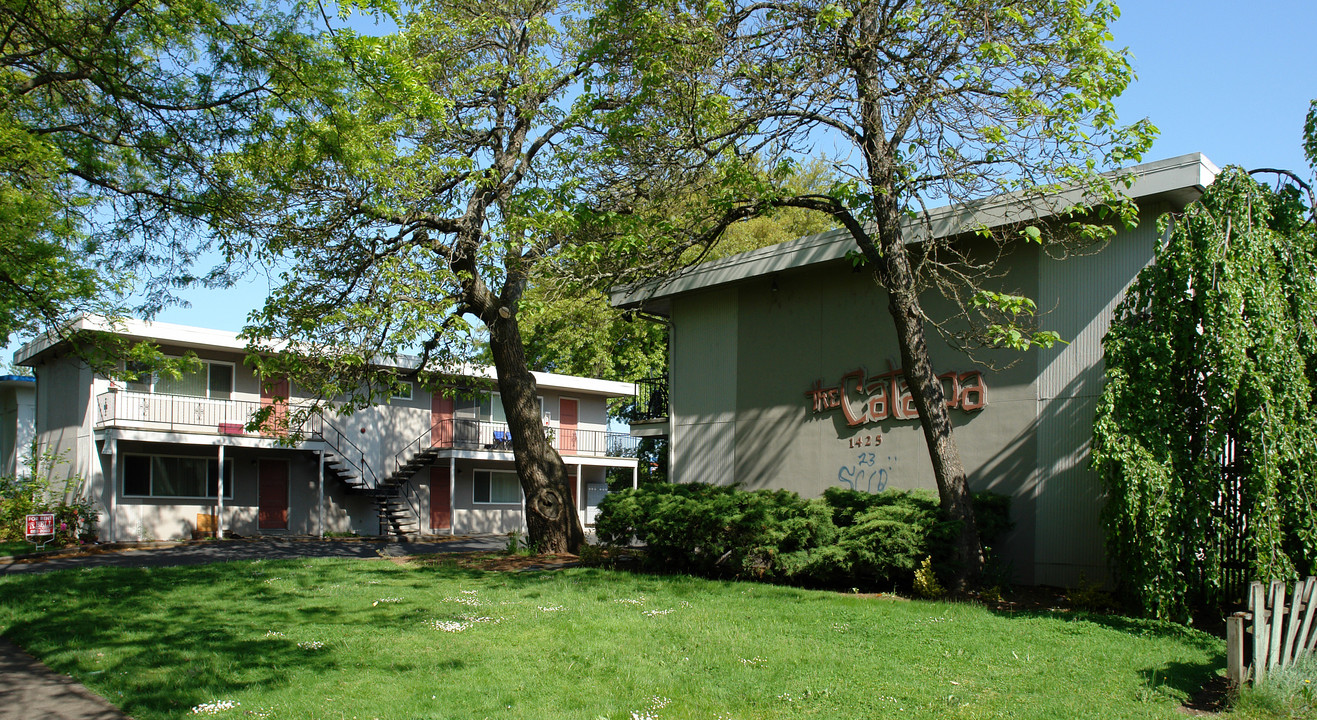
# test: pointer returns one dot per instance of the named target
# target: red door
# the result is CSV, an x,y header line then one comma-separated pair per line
x,y
440,499
441,422
272,496
275,392
567,426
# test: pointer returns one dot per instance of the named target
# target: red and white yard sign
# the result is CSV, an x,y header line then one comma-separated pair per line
x,y
41,524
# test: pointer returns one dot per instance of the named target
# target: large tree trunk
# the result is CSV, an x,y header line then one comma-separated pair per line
x,y
551,517
880,141
892,270
930,401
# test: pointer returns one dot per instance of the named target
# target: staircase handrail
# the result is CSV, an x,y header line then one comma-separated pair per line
x,y
404,486
412,448
368,476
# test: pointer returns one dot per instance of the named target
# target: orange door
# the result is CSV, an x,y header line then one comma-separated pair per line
x,y
567,426
272,496
440,499
275,392
441,421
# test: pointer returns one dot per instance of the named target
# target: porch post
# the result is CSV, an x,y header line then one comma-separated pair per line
x,y
452,495
110,491
219,515
320,484
579,496
635,476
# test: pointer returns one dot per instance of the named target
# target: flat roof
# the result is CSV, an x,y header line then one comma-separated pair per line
x,y
196,338
1179,179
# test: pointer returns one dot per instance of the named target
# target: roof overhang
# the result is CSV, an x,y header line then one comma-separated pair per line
x,y
1176,181
18,382
205,339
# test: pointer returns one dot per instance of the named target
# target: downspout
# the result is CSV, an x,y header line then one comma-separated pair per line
x,y
452,495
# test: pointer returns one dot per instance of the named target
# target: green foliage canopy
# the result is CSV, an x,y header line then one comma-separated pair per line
x,y
110,113
1206,435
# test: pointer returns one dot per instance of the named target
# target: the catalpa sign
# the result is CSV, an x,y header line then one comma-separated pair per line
x,y
865,398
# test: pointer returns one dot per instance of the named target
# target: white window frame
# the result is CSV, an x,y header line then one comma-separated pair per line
x,y
521,496
496,401
401,384
123,480
153,381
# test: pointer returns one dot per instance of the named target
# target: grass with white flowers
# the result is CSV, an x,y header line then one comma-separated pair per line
x,y
375,639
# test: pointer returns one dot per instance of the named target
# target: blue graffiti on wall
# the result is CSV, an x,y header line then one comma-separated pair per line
x,y
864,474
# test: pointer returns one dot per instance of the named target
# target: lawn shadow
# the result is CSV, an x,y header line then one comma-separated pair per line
x,y
116,628
1190,680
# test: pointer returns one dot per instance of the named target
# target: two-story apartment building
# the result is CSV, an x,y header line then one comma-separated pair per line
x,y
168,457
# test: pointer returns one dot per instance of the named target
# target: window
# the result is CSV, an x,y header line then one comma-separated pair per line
x,y
491,408
402,390
176,477
213,380
493,487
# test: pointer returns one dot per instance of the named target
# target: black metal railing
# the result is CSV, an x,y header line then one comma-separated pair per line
x,y
352,455
651,399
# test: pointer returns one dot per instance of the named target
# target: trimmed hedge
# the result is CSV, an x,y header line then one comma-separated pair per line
x,y
844,539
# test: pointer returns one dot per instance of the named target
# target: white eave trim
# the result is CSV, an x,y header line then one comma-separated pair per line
x,y
206,339
1192,172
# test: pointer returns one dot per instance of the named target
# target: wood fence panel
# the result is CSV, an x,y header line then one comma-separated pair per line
x,y
1282,634
1277,616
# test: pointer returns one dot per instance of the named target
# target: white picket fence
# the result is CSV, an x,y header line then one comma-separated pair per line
x,y
1282,633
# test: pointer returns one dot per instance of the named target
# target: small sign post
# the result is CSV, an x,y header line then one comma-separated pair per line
x,y
38,526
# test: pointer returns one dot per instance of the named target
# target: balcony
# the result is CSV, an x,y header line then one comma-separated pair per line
x,y
651,410
460,434
182,413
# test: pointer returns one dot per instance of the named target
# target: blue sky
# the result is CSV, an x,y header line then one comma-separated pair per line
x,y
1231,80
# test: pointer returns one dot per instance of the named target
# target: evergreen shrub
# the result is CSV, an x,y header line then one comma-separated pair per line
x,y
844,539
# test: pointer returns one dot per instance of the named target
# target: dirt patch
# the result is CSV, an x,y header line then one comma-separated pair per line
x,y
493,561
1212,699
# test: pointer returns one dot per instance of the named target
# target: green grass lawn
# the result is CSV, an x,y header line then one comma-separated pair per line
x,y
373,639
16,547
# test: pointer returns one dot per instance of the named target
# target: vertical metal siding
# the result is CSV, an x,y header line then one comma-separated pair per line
x,y
703,388
1079,296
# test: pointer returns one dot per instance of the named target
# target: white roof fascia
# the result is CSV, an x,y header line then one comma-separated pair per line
x,y
160,332
206,339
554,381
1185,172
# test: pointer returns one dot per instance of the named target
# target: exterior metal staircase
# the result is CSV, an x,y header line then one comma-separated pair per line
x,y
346,461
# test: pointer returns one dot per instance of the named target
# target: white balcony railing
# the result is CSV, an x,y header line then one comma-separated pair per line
x,y
182,413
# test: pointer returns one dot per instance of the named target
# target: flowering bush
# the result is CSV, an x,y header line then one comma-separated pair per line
x,y
75,522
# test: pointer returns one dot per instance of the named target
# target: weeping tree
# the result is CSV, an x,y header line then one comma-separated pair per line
x,y
1206,433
